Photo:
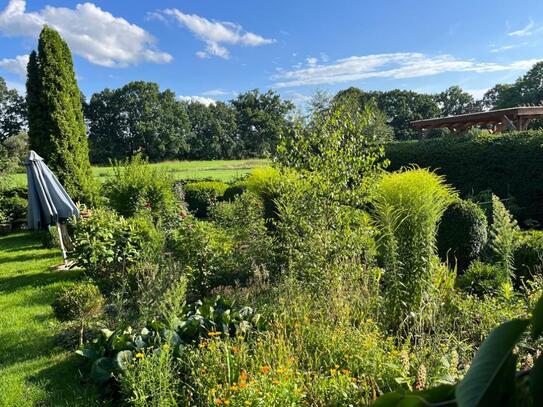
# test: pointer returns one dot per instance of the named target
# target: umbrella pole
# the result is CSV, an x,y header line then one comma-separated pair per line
x,y
64,256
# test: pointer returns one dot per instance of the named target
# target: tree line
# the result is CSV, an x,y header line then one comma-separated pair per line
x,y
139,117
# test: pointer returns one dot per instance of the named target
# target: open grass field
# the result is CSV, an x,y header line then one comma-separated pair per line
x,y
223,170
34,370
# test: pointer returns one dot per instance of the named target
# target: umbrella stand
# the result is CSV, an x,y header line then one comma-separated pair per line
x,y
62,247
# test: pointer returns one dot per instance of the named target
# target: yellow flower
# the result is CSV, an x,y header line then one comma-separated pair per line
x,y
140,355
333,372
276,382
166,346
234,388
226,402
345,372
247,403
213,333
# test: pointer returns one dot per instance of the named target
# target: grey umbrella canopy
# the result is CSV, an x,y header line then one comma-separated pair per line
x,y
48,201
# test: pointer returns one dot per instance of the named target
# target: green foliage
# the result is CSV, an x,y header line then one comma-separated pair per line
x,y
503,234
492,378
234,190
106,244
200,195
507,164
483,279
408,207
57,130
15,207
151,380
137,117
344,147
113,351
454,101
261,118
7,168
213,131
400,107
528,255
135,187
12,112
318,239
462,233
49,238
81,303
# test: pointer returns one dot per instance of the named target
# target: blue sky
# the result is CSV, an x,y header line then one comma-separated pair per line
x,y
213,49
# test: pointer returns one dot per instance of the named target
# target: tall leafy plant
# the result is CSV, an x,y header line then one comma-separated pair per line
x,y
503,234
408,207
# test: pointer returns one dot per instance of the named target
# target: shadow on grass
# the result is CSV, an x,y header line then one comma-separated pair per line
x,y
64,385
11,284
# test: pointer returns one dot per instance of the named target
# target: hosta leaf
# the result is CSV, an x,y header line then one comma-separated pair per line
x,y
442,395
123,359
490,364
101,370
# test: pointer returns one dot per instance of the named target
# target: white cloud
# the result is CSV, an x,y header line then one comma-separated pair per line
x,y
214,33
198,99
524,32
312,61
394,65
216,92
16,65
324,57
92,33
502,48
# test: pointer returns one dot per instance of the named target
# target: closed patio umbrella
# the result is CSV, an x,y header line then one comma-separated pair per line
x,y
48,202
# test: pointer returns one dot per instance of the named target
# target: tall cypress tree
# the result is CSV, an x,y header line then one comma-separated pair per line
x,y
55,117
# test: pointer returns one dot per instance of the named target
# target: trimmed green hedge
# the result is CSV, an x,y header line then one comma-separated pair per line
x,y
199,195
510,164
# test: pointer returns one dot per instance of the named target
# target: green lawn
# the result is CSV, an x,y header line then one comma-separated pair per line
x,y
34,371
224,170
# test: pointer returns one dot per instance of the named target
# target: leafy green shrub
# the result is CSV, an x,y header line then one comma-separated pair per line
x,y
528,255
81,303
483,279
106,244
15,207
264,183
234,190
318,239
137,187
507,163
462,233
408,207
200,195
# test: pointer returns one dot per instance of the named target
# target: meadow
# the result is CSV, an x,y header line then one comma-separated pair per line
x,y
223,170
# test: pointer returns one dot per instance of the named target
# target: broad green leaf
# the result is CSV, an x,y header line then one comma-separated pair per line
x,y
442,395
493,356
537,319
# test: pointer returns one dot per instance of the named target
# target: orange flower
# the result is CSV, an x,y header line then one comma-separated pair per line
x,y
243,376
242,385
235,349
265,369
276,382
218,402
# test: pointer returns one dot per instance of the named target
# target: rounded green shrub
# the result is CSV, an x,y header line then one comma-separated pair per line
x,y
81,303
462,233
483,279
528,255
234,190
200,195
15,206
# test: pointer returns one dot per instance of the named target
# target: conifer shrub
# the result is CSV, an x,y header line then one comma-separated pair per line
x,y
462,233
56,128
200,195
483,279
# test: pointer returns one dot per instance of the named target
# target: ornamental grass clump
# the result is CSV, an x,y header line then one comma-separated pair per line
x,y
408,207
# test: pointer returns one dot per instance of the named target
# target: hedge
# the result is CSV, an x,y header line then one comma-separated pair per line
x,y
510,164
199,195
